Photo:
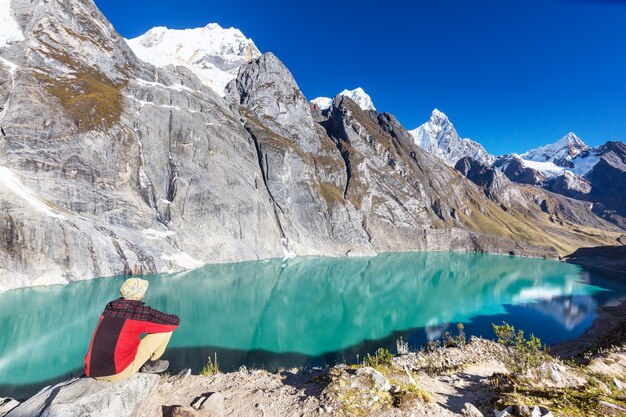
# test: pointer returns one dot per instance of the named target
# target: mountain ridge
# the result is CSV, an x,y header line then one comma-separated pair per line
x,y
122,167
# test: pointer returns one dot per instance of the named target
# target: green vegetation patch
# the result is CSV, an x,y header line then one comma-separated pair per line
x,y
212,366
577,401
91,99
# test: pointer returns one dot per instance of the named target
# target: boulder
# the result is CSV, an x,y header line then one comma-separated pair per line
x,y
523,411
211,403
178,411
379,380
470,411
6,405
87,397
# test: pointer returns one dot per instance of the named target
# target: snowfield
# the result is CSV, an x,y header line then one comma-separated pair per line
x,y
213,53
9,29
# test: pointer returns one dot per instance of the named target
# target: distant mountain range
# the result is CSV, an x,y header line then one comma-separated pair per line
x,y
568,166
184,147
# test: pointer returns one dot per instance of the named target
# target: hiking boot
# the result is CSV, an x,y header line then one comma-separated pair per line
x,y
155,367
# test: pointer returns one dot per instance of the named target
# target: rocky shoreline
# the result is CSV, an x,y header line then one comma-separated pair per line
x,y
610,259
586,376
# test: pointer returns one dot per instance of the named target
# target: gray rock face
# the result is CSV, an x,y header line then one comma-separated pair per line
x,y
269,92
482,175
88,397
301,167
495,184
570,185
608,183
140,170
514,169
6,405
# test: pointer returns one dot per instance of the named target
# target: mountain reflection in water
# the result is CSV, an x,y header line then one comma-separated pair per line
x,y
306,311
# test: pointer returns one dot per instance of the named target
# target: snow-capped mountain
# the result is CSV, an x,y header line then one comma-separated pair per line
x,y
358,95
9,29
323,103
439,138
571,168
213,53
565,149
568,153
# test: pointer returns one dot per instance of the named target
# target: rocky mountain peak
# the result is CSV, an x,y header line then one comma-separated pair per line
x,y
323,103
213,53
573,144
489,178
358,95
439,138
267,89
565,149
438,118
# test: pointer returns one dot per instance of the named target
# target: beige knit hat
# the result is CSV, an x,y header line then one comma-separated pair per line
x,y
134,288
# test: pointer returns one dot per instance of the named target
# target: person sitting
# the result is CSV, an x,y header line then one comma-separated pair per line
x,y
116,351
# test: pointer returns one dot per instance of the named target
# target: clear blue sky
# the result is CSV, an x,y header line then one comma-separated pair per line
x,y
511,74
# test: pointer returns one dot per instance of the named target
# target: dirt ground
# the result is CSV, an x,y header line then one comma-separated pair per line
x,y
436,383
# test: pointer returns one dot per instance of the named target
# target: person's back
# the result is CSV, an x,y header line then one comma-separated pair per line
x,y
116,351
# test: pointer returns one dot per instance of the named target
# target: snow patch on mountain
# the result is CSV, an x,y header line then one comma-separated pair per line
x,y
360,97
12,184
565,149
585,163
213,53
439,138
183,260
547,168
9,29
323,103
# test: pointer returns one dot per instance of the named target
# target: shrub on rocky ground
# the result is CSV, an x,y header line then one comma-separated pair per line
x,y
526,354
374,386
381,358
211,367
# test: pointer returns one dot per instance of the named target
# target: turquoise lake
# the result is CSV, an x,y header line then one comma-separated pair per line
x,y
306,311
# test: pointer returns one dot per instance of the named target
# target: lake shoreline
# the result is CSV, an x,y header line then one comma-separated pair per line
x,y
445,381
611,259
606,330
464,380
607,259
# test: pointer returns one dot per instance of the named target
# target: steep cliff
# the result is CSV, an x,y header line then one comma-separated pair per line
x,y
112,166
